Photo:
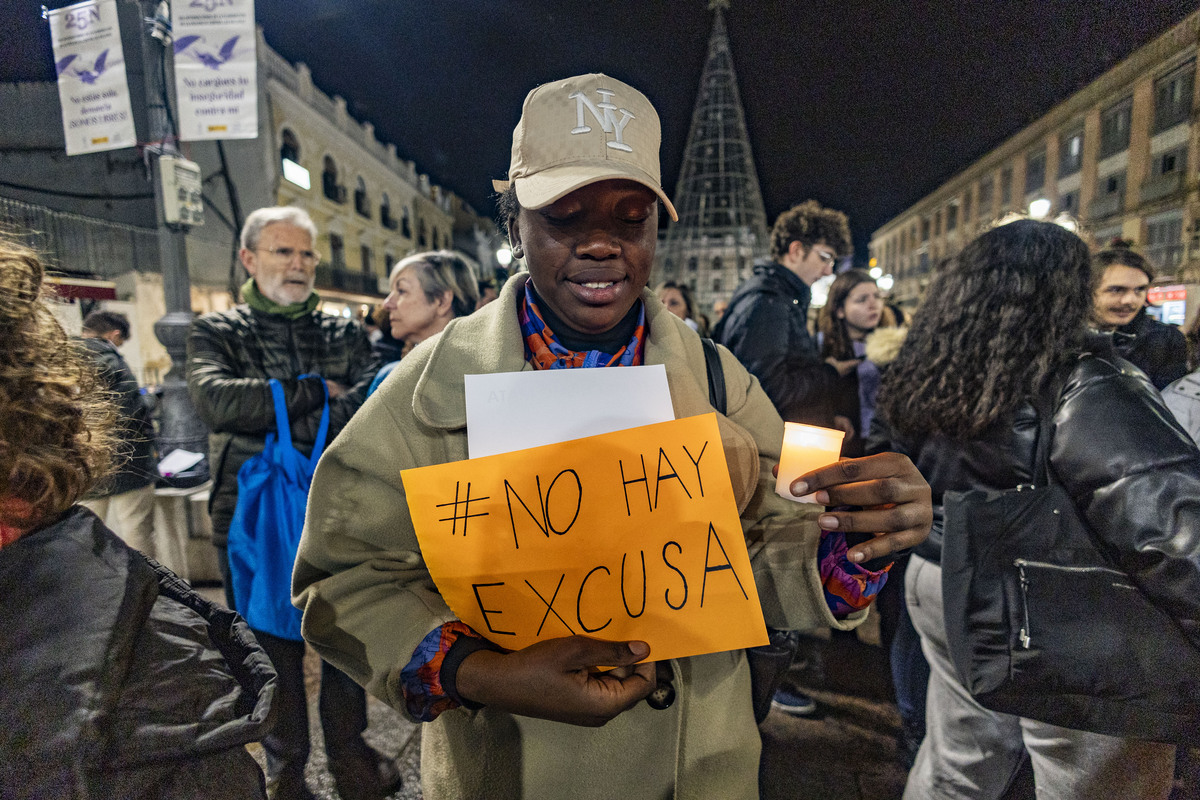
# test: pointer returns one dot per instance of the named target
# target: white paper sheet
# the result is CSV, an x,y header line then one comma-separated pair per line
x,y
514,410
178,461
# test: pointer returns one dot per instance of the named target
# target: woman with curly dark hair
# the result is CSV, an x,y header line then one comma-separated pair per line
x,y
1004,333
116,680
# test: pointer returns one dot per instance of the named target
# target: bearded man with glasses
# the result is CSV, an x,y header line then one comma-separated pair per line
x,y
280,333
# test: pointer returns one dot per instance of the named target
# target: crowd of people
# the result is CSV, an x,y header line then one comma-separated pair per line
x,y
1025,330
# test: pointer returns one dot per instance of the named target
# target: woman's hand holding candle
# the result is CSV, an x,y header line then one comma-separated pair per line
x,y
896,505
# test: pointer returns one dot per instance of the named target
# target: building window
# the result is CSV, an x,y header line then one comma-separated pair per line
x,y
1169,163
1164,241
693,264
717,264
925,230
364,253
987,192
337,252
1069,203
435,241
289,147
1173,97
951,218
361,205
329,182
1035,171
716,284
1113,184
388,261
1006,178
1114,127
385,213
405,226
966,215
422,239
1070,153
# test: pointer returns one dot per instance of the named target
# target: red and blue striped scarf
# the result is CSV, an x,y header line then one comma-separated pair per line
x,y
544,351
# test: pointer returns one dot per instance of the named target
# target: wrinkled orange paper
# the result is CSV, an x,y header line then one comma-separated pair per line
x,y
627,535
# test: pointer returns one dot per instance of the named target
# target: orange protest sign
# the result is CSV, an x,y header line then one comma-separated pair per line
x,y
627,535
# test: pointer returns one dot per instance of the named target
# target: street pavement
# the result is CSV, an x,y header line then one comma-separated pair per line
x,y
846,751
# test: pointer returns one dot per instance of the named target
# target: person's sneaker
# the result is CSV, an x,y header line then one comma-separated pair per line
x,y
790,701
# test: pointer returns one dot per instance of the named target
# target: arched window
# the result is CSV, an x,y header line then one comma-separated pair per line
x,y
405,226
289,147
329,182
385,213
421,238
360,199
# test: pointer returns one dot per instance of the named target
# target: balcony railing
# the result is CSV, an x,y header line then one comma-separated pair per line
x,y
347,280
1162,186
1166,257
1106,205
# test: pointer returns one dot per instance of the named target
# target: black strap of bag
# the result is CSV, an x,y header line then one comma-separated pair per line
x,y
768,662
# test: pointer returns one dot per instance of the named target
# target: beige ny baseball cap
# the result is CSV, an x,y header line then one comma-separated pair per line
x,y
582,130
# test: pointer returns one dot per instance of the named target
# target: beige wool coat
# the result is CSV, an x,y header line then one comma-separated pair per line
x,y
368,599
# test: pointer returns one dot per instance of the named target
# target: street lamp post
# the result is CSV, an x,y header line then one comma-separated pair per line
x,y
179,426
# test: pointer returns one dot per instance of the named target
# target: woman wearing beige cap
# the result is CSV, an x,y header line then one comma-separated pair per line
x,y
581,208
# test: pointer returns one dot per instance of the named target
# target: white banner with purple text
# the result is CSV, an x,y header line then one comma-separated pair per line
x,y
91,77
216,69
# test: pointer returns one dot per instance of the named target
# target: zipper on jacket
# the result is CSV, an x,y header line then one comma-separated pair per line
x,y
1021,563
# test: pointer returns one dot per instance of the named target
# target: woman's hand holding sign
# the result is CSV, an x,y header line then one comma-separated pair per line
x,y
556,679
895,501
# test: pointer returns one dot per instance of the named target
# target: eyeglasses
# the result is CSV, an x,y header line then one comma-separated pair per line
x,y
826,256
309,258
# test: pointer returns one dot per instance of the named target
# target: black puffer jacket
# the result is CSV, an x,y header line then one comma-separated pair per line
x,y
1133,473
231,357
137,466
766,327
1157,349
117,680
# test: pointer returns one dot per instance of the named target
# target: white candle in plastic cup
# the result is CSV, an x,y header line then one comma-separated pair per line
x,y
805,448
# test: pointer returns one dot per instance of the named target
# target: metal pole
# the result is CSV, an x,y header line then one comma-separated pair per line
x,y
179,426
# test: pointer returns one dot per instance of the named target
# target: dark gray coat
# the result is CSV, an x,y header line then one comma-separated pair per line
x,y
117,680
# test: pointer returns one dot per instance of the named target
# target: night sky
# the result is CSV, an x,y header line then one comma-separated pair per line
x,y
864,106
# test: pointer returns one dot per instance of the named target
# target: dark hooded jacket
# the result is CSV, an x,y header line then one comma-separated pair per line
x,y
233,354
1157,349
766,327
117,680
136,464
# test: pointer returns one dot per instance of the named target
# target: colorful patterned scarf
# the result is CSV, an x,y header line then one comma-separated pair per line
x,y
544,350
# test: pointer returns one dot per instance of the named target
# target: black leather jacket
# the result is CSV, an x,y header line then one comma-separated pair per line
x,y
766,327
233,354
1133,472
117,680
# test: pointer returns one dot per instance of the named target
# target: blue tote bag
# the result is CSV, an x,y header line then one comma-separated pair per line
x,y
267,521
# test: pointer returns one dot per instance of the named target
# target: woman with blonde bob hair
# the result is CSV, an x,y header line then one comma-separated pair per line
x,y
116,680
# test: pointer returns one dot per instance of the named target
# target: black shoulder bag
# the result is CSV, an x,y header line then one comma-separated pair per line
x,y
1042,624
768,662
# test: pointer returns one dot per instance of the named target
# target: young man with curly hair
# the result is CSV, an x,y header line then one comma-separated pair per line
x,y
766,327
766,324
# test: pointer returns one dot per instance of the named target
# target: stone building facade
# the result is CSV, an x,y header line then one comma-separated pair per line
x,y
1121,157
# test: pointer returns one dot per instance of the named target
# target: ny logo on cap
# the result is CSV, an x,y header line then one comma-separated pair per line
x,y
602,112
